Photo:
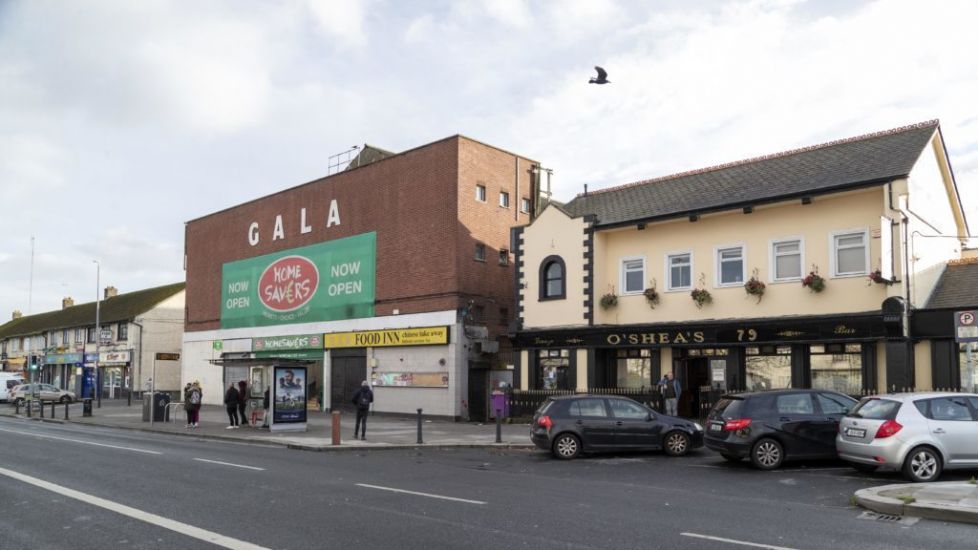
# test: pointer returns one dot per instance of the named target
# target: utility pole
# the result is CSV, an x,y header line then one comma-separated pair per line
x,y
98,328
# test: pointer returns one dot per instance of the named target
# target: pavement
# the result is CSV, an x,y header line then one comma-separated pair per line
x,y
383,432
943,501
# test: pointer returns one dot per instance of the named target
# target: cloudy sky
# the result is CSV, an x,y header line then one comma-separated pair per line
x,y
121,120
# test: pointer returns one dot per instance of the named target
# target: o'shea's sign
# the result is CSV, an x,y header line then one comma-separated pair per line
x,y
321,282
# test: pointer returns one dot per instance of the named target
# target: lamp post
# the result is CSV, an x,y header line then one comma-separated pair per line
x,y
98,329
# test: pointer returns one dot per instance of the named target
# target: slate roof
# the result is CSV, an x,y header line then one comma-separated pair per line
x,y
112,310
958,287
829,167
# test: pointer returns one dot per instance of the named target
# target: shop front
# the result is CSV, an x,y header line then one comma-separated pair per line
x,y
116,373
61,370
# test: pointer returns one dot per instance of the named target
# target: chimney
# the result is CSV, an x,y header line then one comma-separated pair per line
x,y
67,302
17,314
111,292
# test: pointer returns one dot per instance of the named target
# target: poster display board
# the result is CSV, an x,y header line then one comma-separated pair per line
x,y
412,379
289,395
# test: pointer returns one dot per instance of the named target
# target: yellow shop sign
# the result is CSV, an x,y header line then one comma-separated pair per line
x,y
425,336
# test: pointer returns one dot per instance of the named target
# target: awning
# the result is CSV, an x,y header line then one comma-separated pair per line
x,y
259,362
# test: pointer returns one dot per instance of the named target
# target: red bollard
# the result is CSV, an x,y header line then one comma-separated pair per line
x,y
336,427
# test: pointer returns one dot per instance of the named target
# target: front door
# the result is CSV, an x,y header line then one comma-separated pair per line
x,y
348,369
693,373
478,391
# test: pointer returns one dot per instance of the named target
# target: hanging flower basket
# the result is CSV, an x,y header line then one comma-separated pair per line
x,y
814,282
877,277
755,287
609,300
701,296
652,296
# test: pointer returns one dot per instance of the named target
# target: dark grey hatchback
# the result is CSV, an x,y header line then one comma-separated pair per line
x,y
570,425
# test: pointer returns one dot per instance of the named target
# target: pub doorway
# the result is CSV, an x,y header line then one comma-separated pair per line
x,y
348,369
694,374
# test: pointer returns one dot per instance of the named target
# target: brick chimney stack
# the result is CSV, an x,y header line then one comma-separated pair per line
x,y
111,292
17,314
67,302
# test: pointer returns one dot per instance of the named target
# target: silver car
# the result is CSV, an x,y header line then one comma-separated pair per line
x,y
918,433
43,392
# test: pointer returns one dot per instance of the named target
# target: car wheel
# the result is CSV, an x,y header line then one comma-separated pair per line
x,y
65,399
922,464
566,446
676,443
867,468
767,454
730,458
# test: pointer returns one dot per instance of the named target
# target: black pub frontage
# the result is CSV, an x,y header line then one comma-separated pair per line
x,y
843,353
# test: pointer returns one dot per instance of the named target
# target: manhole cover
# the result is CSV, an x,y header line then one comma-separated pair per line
x,y
888,518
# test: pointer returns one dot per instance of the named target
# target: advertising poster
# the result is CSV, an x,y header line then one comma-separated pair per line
x,y
289,393
412,379
321,282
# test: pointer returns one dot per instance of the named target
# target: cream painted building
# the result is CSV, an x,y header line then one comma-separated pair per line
x,y
607,281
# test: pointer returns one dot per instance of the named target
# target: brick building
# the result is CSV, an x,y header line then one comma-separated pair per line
x,y
395,270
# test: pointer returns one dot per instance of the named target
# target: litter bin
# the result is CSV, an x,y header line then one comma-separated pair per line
x,y
499,403
158,404
87,407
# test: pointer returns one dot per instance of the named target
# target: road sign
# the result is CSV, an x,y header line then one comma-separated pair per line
x,y
167,356
966,326
105,335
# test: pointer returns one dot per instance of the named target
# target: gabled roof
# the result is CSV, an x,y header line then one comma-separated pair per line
x,y
830,167
958,287
111,310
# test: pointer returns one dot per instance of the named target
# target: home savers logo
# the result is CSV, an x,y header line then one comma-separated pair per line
x,y
287,285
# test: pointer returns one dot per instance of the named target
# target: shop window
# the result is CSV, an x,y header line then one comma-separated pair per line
x,y
552,278
768,368
787,260
480,193
554,364
525,206
850,253
480,252
969,370
730,266
632,275
707,352
837,367
680,268
122,330
634,368
504,199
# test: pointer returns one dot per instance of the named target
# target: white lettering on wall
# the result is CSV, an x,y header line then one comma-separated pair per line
x,y
279,231
303,228
253,233
334,214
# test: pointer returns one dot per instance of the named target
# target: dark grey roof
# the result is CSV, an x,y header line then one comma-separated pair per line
x,y
958,287
863,160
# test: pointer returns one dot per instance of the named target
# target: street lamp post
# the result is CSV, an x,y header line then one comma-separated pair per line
x,y
98,329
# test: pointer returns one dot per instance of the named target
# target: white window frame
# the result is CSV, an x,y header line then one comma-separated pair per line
x,y
668,271
525,205
743,264
622,273
480,192
833,268
772,258
504,199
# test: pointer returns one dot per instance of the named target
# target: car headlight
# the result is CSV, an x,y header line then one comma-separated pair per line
x,y
697,426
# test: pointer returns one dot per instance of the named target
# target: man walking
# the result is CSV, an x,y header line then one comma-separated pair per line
x,y
670,392
362,400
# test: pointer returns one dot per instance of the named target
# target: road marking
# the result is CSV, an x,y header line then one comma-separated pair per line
x,y
230,464
429,495
160,521
133,449
733,541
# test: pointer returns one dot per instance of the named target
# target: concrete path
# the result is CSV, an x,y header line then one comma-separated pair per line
x,y
945,501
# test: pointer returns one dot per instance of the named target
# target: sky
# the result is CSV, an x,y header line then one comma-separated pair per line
x,y
121,120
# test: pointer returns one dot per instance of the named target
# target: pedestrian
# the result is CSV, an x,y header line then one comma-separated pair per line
x,y
362,400
195,398
231,400
243,390
671,391
186,405
266,405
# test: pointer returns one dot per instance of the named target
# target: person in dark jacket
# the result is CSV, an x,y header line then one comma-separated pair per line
x,y
243,390
231,400
362,400
266,405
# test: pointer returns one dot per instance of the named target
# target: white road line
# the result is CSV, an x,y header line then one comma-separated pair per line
x,y
32,434
429,495
230,464
160,521
734,541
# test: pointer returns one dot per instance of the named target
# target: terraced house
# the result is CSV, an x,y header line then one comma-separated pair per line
x,y
799,269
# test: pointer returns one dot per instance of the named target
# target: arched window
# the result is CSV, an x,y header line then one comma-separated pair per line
x,y
553,278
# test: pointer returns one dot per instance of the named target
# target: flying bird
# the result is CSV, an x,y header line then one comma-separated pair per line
x,y
602,77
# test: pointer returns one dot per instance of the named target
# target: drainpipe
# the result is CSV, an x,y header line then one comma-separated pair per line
x,y
139,374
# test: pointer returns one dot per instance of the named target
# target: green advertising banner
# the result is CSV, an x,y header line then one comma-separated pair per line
x,y
321,282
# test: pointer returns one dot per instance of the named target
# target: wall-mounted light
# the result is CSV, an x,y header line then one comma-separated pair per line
x,y
640,226
748,209
693,217
806,200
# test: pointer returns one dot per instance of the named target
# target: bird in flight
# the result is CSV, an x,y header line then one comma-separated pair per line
x,y
602,77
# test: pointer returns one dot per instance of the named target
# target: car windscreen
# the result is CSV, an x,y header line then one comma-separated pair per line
x,y
876,409
728,407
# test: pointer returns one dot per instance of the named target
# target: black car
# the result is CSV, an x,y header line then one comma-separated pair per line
x,y
773,426
570,425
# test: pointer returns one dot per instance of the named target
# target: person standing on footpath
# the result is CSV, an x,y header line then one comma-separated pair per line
x,y
362,400
231,400
671,391
186,405
243,403
194,400
266,404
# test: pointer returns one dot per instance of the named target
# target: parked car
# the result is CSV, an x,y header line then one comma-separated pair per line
x,y
920,434
771,427
44,392
570,425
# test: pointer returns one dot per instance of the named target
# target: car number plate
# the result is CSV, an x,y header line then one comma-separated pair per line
x,y
853,432
716,427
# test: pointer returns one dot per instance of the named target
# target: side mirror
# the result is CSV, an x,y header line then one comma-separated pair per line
x,y
649,417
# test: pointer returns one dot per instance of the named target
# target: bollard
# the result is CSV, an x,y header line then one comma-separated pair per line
x,y
17,407
52,410
42,408
499,426
420,441
28,408
336,427
66,410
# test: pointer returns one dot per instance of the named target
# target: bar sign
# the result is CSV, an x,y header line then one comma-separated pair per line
x,y
167,356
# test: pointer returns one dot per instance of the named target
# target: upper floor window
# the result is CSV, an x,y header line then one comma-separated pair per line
x,y
680,274
632,275
15,344
123,331
786,259
552,278
480,252
730,265
79,335
503,257
480,193
525,206
91,335
54,338
64,336
850,253
504,199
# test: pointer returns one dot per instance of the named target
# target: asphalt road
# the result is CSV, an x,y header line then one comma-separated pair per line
x,y
160,491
